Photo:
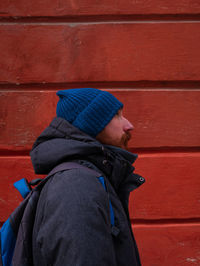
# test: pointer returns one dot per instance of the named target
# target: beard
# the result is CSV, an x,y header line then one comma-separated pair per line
x,y
116,140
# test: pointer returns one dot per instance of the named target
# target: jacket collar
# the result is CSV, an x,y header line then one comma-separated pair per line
x,y
116,164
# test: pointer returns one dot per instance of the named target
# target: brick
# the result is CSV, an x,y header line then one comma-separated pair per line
x,y
88,7
99,52
12,170
175,244
161,118
171,190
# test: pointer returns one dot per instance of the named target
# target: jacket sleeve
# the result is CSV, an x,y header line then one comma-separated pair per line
x,y
72,224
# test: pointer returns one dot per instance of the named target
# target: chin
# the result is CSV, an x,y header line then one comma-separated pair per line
x,y
123,146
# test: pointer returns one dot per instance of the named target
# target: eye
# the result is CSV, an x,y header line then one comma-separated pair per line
x,y
119,113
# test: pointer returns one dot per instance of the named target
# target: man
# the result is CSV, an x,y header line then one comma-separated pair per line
x,y
73,224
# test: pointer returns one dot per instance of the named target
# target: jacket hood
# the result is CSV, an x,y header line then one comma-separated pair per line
x,y
61,142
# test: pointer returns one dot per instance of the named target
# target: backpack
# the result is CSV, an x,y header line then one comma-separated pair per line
x,y
16,232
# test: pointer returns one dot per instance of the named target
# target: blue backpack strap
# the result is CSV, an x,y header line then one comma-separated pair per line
x,y
112,216
8,240
23,187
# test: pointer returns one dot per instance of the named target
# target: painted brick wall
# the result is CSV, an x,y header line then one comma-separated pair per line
x,y
146,53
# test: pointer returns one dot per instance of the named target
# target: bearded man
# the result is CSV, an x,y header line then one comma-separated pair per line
x,y
80,222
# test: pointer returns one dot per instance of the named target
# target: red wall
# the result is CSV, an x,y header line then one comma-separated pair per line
x,y
147,54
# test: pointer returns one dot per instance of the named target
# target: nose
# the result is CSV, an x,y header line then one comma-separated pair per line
x,y
127,125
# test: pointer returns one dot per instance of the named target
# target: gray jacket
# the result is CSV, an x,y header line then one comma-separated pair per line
x,y
72,225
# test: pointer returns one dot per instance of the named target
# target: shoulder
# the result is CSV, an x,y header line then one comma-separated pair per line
x,y
77,177
74,185
75,194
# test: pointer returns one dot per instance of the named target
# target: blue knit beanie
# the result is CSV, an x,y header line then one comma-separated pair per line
x,y
88,109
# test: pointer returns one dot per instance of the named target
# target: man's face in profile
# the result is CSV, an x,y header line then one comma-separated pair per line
x,y
117,132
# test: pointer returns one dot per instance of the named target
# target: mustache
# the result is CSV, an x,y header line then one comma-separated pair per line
x,y
128,135
125,139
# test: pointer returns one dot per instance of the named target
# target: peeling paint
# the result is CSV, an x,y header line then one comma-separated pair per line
x,y
2,200
191,260
181,244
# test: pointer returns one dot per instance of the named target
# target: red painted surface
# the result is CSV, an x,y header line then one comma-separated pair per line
x,y
90,7
115,52
152,52
161,118
12,170
171,189
170,244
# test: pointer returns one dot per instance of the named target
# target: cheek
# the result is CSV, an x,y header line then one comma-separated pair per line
x,y
115,134
115,130
112,133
